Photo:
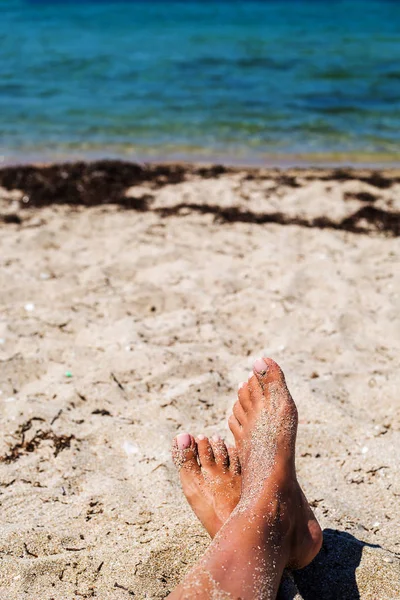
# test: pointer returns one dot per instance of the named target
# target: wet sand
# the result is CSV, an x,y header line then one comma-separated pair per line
x,y
133,299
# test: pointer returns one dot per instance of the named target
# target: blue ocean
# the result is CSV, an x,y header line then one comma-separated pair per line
x,y
238,82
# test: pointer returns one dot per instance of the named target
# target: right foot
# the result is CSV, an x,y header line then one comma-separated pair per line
x,y
210,477
264,424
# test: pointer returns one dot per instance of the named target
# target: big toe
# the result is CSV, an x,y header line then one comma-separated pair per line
x,y
184,452
273,384
268,370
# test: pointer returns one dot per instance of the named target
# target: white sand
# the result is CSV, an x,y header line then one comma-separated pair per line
x,y
157,319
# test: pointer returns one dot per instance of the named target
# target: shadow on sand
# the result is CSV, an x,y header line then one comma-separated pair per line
x,y
332,574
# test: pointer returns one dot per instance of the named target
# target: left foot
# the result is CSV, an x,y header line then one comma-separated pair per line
x,y
210,477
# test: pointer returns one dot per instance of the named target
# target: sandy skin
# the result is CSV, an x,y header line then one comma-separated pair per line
x,y
269,525
211,479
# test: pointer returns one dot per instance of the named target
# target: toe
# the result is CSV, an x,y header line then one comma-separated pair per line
x,y
244,396
260,367
220,452
205,451
239,413
254,386
235,427
272,382
275,391
234,462
184,452
267,371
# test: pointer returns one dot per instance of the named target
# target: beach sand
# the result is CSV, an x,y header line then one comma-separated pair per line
x,y
122,324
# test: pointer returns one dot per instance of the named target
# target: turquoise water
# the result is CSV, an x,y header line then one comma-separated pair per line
x,y
239,81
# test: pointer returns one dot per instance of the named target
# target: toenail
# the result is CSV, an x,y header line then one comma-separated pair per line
x,y
201,437
216,438
184,441
260,366
241,384
251,374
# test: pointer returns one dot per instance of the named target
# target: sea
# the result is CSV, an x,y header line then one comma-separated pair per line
x,y
240,82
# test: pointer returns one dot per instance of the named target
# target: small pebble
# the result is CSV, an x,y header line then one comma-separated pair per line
x,y
44,276
130,448
29,307
2,341
364,450
68,374
10,399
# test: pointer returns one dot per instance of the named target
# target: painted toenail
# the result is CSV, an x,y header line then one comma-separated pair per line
x,y
251,374
183,440
216,438
201,437
241,384
260,366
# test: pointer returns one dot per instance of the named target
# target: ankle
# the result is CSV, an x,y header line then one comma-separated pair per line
x,y
271,512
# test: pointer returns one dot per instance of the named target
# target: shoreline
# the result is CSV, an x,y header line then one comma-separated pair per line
x,y
268,161
133,171
361,201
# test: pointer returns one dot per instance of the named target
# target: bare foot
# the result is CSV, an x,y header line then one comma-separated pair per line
x,y
264,424
272,526
210,477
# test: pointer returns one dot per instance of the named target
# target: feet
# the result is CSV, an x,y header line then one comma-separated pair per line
x,y
264,425
210,477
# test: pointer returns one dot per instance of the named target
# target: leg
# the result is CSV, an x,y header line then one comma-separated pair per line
x,y
273,525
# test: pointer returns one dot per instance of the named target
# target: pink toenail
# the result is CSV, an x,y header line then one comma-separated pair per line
x,y
251,374
260,366
241,384
184,441
201,437
216,438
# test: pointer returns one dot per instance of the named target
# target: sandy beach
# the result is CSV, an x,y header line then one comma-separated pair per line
x,y
133,300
